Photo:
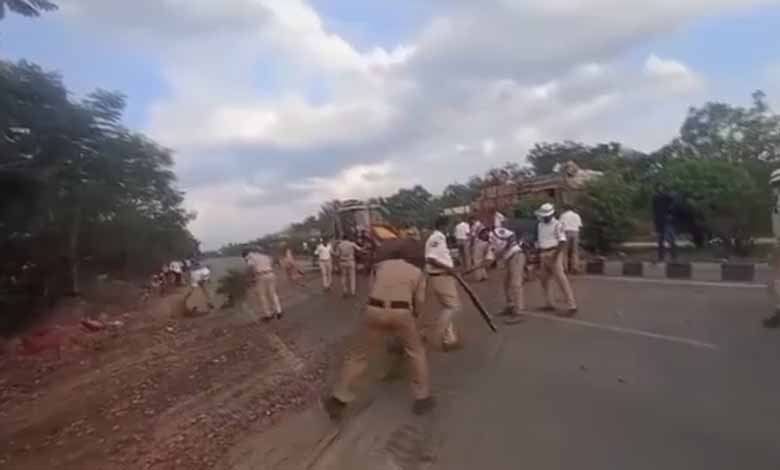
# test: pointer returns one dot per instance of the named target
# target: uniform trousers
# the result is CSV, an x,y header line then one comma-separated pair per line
x,y
378,323
265,292
551,266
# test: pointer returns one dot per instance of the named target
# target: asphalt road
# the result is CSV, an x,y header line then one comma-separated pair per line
x,y
648,376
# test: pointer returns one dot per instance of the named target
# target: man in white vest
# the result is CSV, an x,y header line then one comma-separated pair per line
x,y
552,245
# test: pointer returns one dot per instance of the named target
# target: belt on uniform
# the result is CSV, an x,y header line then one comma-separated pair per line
x,y
438,274
393,304
545,250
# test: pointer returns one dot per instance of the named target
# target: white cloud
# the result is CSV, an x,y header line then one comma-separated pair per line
x,y
672,74
272,113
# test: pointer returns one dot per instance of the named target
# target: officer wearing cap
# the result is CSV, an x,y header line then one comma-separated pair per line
x,y
551,240
396,298
440,268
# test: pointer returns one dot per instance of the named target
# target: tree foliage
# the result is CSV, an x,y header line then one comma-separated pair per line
x,y
606,210
721,194
79,190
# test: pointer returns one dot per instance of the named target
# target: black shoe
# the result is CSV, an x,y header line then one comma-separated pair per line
x,y
514,319
279,315
773,321
266,319
333,407
423,406
568,313
547,308
506,312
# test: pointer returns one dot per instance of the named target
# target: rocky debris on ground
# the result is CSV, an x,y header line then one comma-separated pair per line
x,y
166,393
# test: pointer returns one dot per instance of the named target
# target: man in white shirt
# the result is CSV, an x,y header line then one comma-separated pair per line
x,y
508,249
552,243
440,268
199,278
264,288
324,255
461,233
177,270
572,223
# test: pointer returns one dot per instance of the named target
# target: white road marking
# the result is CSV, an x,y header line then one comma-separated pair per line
x,y
674,282
627,331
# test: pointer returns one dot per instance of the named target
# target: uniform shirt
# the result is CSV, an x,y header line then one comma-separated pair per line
x,y
504,243
436,248
462,231
571,221
498,220
323,252
259,262
347,250
175,266
397,280
199,275
550,234
476,227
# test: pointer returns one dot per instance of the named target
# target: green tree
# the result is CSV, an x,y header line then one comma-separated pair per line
x,y
413,206
80,190
606,210
723,197
30,8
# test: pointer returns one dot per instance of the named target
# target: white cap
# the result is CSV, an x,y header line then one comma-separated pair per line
x,y
775,177
546,210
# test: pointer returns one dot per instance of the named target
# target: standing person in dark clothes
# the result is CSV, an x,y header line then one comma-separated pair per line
x,y
663,217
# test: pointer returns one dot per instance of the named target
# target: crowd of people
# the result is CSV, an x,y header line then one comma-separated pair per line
x,y
406,269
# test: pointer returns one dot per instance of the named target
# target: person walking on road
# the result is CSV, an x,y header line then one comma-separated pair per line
x,y
324,253
572,223
552,244
291,269
396,297
346,253
663,218
264,283
441,268
509,250
461,234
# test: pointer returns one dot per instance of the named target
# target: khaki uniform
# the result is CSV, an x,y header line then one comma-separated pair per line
x,y
400,288
513,282
444,289
346,250
264,288
323,252
551,266
572,251
480,250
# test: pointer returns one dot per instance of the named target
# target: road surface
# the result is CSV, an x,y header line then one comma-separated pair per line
x,y
650,375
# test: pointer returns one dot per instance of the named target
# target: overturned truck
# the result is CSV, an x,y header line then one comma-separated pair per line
x,y
561,188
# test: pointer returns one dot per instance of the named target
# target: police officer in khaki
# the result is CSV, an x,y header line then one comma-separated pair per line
x,y
396,297
552,243
440,269
346,254
264,279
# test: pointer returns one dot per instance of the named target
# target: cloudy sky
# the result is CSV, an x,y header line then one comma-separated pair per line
x,y
273,106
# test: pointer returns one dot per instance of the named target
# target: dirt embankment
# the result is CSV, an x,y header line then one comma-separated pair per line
x,y
152,389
